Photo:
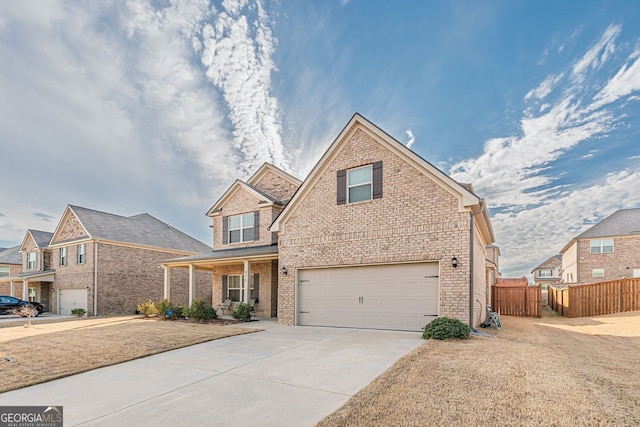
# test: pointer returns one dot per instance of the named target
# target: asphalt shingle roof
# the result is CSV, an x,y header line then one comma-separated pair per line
x,y
42,238
141,229
231,253
11,255
624,222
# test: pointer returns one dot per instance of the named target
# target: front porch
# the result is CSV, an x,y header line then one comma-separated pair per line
x,y
31,286
239,275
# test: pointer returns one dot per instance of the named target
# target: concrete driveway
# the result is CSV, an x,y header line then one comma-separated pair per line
x,y
284,376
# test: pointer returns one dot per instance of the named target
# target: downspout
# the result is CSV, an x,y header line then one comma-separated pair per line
x,y
471,244
95,278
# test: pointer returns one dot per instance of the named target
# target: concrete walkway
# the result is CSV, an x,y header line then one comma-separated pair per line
x,y
284,376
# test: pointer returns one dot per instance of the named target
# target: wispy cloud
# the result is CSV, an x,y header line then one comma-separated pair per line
x,y
237,51
517,174
43,216
412,138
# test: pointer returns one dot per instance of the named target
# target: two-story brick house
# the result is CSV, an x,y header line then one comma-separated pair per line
x,y
10,265
103,263
375,237
548,272
607,251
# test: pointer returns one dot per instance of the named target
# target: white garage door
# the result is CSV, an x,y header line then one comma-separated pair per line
x,y
398,297
70,299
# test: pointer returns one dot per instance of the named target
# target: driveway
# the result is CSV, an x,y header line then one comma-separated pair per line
x,y
284,376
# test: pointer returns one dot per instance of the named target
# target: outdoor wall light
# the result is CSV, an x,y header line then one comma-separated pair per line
x,y
284,270
454,262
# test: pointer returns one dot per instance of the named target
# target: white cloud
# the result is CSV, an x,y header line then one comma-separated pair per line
x,y
597,54
544,88
625,82
412,138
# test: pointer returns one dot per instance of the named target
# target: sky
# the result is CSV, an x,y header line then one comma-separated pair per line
x,y
158,106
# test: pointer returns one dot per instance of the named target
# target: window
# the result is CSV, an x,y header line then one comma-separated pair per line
x,y
545,272
81,253
235,288
597,272
602,246
359,184
31,260
4,270
32,294
636,272
242,227
63,256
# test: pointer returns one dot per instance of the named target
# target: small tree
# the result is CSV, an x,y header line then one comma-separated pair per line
x,y
27,311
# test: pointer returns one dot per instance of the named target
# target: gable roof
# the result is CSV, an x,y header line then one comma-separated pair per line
x,y
41,238
142,229
624,222
237,185
11,255
552,262
268,167
467,199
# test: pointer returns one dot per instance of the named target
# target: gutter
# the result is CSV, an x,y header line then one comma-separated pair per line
x,y
95,278
471,244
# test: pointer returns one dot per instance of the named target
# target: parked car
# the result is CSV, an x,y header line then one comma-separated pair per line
x,y
9,303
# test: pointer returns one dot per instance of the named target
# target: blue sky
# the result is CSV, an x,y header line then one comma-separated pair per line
x,y
157,106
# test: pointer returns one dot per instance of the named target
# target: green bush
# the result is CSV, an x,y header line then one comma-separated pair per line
x,y
147,308
79,312
443,328
200,311
169,310
243,312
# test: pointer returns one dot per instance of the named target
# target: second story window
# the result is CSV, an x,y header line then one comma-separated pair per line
x,y
545,272
602,246
31,260
63,256
359,184
241,228
4,270
81,253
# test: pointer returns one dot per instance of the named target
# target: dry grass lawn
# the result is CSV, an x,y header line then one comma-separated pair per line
x,y
44,352
552,371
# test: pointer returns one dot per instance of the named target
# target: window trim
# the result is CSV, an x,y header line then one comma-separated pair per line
x,y
601,246
242,287
63,256
362,184
81,256
3,269
546,270
242,228
32,263
595,272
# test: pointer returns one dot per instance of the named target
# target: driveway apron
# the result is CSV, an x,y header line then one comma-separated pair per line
x,y
282,376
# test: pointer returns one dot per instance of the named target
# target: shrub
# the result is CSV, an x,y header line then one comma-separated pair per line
x,y
169,310
147,308
79,312
243,312
200,311
444,327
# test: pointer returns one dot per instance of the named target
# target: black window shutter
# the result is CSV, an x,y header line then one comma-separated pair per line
x,y
256,225
225,230
377,180
342,187
224,288
256,287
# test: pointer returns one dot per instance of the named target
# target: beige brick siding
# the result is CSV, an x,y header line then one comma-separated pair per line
x,y
616,265
480,291
71,229
275,186
239,203
415,220
267,298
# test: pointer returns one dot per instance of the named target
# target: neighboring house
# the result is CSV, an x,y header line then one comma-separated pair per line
x,y
493,264
548,273
10,265
375,237
103,263
507,281
607,251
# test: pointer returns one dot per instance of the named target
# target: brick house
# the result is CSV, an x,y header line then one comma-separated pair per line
x,y
607,251
102,262
548,272
10,265
375,237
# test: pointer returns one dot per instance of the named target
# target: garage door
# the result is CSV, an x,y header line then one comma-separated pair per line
x,y
398,297
72,298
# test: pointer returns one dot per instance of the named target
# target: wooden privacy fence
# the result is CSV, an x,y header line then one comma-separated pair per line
x,y
596,299
522,301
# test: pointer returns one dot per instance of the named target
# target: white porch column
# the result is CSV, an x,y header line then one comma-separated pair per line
x,y
246,281
167,282
12,289
192,283
25,291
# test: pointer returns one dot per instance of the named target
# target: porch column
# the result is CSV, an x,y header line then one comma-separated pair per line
x,y
167,282
192,284
246,281
25,291
12,289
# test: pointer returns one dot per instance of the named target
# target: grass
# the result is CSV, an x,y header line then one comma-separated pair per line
x,y
551,371
45,352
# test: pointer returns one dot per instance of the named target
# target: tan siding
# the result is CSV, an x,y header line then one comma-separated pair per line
x,y
71,229
570,264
